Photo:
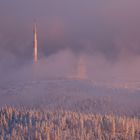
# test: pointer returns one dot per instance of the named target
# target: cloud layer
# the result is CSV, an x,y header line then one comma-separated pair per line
x,y
106,31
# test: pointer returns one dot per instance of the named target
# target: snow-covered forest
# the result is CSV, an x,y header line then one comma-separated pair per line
x,y
38,124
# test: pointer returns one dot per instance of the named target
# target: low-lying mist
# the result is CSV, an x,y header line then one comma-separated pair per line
x,y
65,64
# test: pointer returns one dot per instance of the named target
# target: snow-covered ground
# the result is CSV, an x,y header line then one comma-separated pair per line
x,y
73,94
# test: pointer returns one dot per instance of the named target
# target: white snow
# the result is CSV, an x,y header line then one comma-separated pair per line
x,y
72,94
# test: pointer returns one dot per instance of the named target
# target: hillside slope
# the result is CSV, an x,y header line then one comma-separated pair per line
x,y
71,94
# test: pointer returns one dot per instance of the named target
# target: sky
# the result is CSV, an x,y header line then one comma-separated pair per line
x,y
107,33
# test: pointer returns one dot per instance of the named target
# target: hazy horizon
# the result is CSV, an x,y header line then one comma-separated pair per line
x,y
106,33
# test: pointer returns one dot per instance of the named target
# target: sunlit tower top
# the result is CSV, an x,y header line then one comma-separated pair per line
x,y
35,44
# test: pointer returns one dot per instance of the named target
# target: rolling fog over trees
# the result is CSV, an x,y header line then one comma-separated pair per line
x,y
107,33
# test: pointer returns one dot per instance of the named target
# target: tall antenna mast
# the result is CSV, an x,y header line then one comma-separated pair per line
x,y
35,44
